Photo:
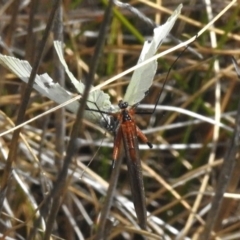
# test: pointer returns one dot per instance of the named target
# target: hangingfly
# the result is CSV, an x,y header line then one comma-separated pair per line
x,y
127,132
120,119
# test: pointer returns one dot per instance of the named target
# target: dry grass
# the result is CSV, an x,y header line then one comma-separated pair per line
x,y
193,157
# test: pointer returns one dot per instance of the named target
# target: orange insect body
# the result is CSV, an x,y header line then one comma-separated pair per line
x,y
129,131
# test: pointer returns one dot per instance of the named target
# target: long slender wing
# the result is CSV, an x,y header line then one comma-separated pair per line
x,y
47,87
142,78
98,99
43,83
130,142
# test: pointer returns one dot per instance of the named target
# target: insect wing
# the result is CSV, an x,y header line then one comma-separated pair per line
x,y
142,77
47,87
77,84
98,100
134,171
42,83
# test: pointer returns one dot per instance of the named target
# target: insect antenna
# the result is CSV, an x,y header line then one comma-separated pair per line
x,y
166,79
164,83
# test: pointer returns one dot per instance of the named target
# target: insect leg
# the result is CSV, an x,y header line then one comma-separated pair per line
x,y
117,145
143,137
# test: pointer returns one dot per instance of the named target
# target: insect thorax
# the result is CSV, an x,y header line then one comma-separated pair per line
x,y
126,116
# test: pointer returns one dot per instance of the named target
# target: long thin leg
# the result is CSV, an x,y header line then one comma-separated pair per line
x,y
143,137
117,143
